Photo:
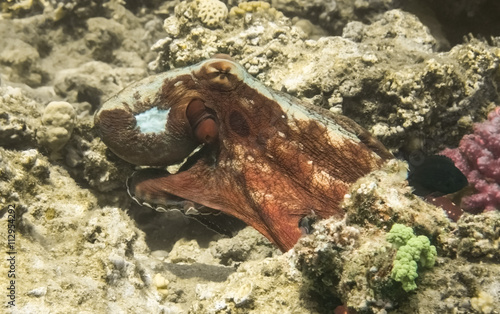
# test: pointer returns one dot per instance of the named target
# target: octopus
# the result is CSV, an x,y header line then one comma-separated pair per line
x,y
242,148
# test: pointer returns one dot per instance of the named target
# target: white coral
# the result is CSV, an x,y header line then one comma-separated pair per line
x,y
211,12
58,121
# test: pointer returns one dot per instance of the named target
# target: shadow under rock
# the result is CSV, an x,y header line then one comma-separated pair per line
x,y
163,230
211,273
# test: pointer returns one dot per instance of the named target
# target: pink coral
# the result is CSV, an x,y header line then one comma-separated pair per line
x,y
478,157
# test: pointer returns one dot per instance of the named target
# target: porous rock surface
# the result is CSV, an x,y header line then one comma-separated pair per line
x,y
84,246
386,75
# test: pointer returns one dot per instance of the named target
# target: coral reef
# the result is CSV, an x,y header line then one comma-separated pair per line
x,y
84,247
74,250
478,157
476,237
211,13
18,123
402,98
399,205
351,261
364,283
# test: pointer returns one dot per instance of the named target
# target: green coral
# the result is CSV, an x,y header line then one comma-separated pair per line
x,y
399,235
411,250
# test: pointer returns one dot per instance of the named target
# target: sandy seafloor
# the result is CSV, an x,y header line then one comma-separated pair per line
x,y
417,76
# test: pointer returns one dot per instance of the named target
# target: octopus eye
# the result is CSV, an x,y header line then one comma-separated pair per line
x,y
202,122
221,73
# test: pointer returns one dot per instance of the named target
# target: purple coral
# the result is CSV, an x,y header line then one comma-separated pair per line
x,y
478,157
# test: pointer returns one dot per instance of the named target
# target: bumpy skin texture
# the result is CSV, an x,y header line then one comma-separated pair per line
x,y
264,157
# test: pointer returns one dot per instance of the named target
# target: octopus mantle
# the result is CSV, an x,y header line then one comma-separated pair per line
x,y
246,150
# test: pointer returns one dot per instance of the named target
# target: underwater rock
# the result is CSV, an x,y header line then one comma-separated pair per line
x,y
23,59
19,118
475,237
350,262
70,241
104,174
265,286
246,245
386,75
92,81
103,37
84,247
383,197
58,121
333,15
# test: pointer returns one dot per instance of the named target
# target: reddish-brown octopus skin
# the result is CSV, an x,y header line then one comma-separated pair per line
x,y
264,157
